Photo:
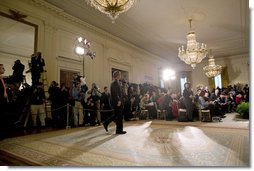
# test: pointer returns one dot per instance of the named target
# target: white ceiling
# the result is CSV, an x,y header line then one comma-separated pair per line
x,y
160,26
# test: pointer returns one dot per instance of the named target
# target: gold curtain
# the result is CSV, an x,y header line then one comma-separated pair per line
x,y
224,79
211,83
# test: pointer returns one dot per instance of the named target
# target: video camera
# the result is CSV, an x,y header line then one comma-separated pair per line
x,y
77,79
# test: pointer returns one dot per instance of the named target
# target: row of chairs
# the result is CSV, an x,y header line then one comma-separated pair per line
x,y
144,114
204,115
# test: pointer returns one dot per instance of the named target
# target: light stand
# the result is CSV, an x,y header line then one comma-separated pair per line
x,y
82,48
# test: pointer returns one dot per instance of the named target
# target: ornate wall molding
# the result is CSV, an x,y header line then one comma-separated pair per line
x,y
100,32
60,12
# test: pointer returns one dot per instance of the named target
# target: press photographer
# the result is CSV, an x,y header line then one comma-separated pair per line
x,y
37,64
18,69
80,80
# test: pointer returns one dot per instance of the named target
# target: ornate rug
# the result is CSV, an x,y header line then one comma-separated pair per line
x,y
147,143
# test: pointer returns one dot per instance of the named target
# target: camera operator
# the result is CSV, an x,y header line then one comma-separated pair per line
x,y
55,98
18,69
37,99
95,92
96,95
82,81
37,64
78,97
90,113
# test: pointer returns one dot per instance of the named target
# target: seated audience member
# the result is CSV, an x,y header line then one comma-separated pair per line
x,y
145,104
204,104
127,109
174,105
231,103
134,107
246,93
215,99
207,96
144,101
207,91
181,103
238,98
153,98
196,97
223,103
215,95
160,101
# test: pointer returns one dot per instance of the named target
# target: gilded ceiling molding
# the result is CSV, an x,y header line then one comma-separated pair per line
x,y
16,15
47,5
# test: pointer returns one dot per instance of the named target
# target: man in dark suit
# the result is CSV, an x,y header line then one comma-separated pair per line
x,y
117,104
105,104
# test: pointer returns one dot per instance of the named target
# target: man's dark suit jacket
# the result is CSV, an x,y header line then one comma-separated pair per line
x,y
116,93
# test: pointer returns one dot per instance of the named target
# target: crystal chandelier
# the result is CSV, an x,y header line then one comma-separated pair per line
x,y
195,52
212,70
112,7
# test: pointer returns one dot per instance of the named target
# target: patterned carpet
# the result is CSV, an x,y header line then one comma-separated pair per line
x,y
147,143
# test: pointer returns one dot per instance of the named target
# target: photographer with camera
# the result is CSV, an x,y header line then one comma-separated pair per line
x,y
37,64
95,92
96,95
18,69
37,100
55,98
78,97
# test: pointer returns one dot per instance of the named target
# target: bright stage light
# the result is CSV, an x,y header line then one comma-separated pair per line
x,y
168,74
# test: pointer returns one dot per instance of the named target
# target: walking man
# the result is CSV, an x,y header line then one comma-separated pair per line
x,y
117,104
